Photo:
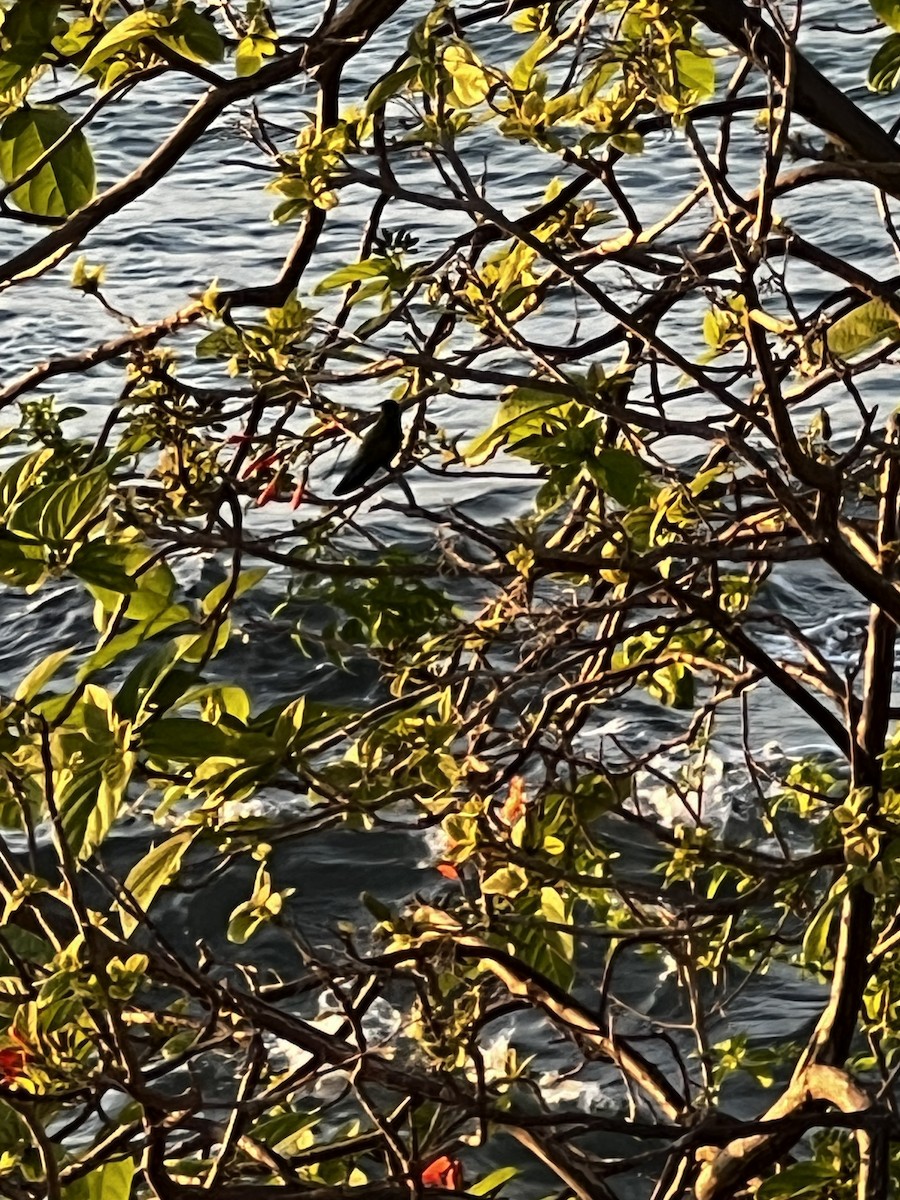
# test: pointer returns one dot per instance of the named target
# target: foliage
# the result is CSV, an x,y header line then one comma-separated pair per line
x,y
547,651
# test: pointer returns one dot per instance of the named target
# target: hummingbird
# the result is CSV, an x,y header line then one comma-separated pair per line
x,y
378,449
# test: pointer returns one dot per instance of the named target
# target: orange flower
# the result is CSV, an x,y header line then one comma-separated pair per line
x,y
297,497
448,870
12,1064
514,805
443,1172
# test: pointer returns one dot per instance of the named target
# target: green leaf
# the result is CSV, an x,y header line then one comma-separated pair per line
x,y
221,343
470,81
124,34
492,1182
220,699
816,953
72,505
22,566
244,922
672,685
696,72
151,590
263,906
250,54
508,881
29,30
66,181
619,473
550,951
524,410
884,69
864,327
887,11
92,772
367,269
76,802
379,910
154,680
55,513
115,776
179,739
30,22
554,907
36,678
521,73
246,580
155,871
389,86
798,1179
194,36
283,1131
17,64
100,564
142,631
73,40
112,1181
630,142
22,476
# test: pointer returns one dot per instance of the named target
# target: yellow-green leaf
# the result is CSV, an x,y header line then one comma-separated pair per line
x,y
124,34
66,181
470,81
864,327
156,870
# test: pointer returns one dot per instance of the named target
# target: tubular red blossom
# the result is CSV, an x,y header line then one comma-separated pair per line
x,y
260,463
12,1064
269,492
443,1172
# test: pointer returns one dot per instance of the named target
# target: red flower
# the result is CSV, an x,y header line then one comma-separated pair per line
x,y
260,463
297,497
12,1064
269,492
443,1172
448,870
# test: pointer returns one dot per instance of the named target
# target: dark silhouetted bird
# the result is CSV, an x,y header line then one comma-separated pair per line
x,y
378,449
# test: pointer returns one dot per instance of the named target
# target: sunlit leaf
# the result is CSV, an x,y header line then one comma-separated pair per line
x,y
194,36
66,181
471,83
155,871
128,32
507,881
864,327
884,69
390,86
524,409
618,472
111,1181
491,1182
887,11
44,671
696,72
368,269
